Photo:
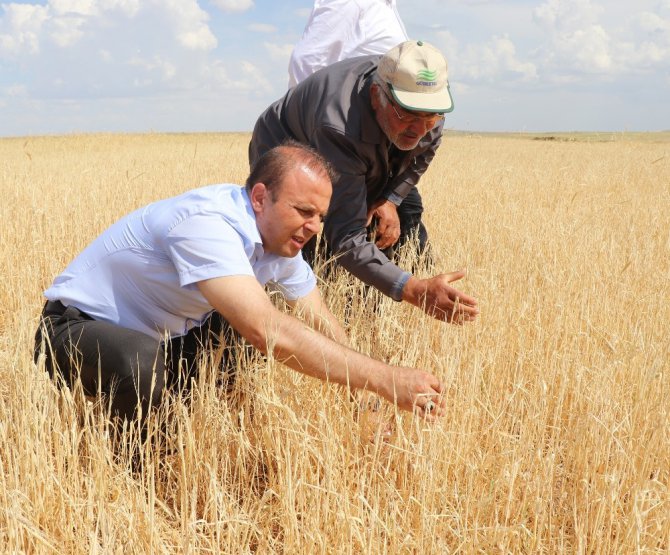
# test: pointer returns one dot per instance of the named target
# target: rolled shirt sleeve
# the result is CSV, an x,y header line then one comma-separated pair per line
x,y
196,245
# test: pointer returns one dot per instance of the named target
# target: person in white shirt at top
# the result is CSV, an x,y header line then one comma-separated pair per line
x,y
145,300
342,29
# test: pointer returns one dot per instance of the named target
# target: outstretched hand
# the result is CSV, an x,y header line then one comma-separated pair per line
x,y
440,300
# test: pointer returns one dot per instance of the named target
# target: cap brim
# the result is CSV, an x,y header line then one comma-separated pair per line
x,y
438,102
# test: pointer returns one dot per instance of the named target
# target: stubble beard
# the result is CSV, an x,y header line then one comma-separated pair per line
x,y
396,139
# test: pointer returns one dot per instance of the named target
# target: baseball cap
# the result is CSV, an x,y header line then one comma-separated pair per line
x,y
416,73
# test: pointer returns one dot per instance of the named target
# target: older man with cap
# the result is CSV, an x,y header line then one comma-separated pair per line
x,y
378,121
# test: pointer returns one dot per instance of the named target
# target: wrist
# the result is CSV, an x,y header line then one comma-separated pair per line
x,y
395,199
413,291
399,286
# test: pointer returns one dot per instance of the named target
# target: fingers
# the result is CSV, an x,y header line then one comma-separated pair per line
x,y
369,216
456,316
436,385
386,241
387,235
447,303
432,403
372,211
453,311
450,277
388,224
430,406
466,309
419,392
454,276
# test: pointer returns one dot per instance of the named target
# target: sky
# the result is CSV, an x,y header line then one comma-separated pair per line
x,y
72,66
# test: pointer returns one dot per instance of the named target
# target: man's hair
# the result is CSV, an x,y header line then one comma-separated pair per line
x,y
384,88
273,166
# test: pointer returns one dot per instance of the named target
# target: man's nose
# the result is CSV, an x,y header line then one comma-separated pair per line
x,y
420,126
313,225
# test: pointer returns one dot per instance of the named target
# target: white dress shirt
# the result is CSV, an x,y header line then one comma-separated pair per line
x,y
341,29
142,272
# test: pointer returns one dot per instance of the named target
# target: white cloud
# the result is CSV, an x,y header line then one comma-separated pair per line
x,y
165,69
448,45
191,65
79,7
248,77
580,40
653,23
66,23
128,8
279,52
200,38
190,23
67,29
586,49
233,5
304,13
15,90
82,48
487,62
567,14
20,29
262,28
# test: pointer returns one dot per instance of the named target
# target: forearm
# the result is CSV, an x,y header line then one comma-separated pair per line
x,y
312,309
314,354
326,324
309,352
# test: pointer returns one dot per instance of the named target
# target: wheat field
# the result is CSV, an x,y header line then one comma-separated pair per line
x,y
557,433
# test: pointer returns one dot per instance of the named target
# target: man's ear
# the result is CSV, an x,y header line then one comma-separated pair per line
x,y
258,196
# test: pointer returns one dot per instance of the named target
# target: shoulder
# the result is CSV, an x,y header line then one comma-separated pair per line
x,y
339,93
225,205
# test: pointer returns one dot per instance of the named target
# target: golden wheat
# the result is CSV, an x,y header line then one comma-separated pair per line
x,y
557,437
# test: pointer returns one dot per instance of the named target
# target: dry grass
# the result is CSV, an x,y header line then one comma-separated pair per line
x,y
557,437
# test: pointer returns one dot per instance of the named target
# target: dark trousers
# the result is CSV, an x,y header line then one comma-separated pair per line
x,y
130,367
409,213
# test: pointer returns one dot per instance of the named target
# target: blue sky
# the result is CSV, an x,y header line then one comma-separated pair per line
x,y
213,65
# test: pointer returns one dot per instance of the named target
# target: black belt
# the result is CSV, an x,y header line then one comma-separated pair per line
x,y
54,307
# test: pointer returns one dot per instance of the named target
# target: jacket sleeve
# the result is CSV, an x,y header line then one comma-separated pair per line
x,y
344,225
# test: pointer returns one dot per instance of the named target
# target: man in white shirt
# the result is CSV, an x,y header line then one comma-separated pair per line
x,y
175,277
342,29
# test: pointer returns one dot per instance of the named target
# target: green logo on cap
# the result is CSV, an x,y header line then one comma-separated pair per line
x,y
426,75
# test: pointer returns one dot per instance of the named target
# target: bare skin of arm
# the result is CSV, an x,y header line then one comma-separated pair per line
x,y
243,303
316,313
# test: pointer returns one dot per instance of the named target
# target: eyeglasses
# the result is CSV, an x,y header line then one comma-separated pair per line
x,y
413,117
